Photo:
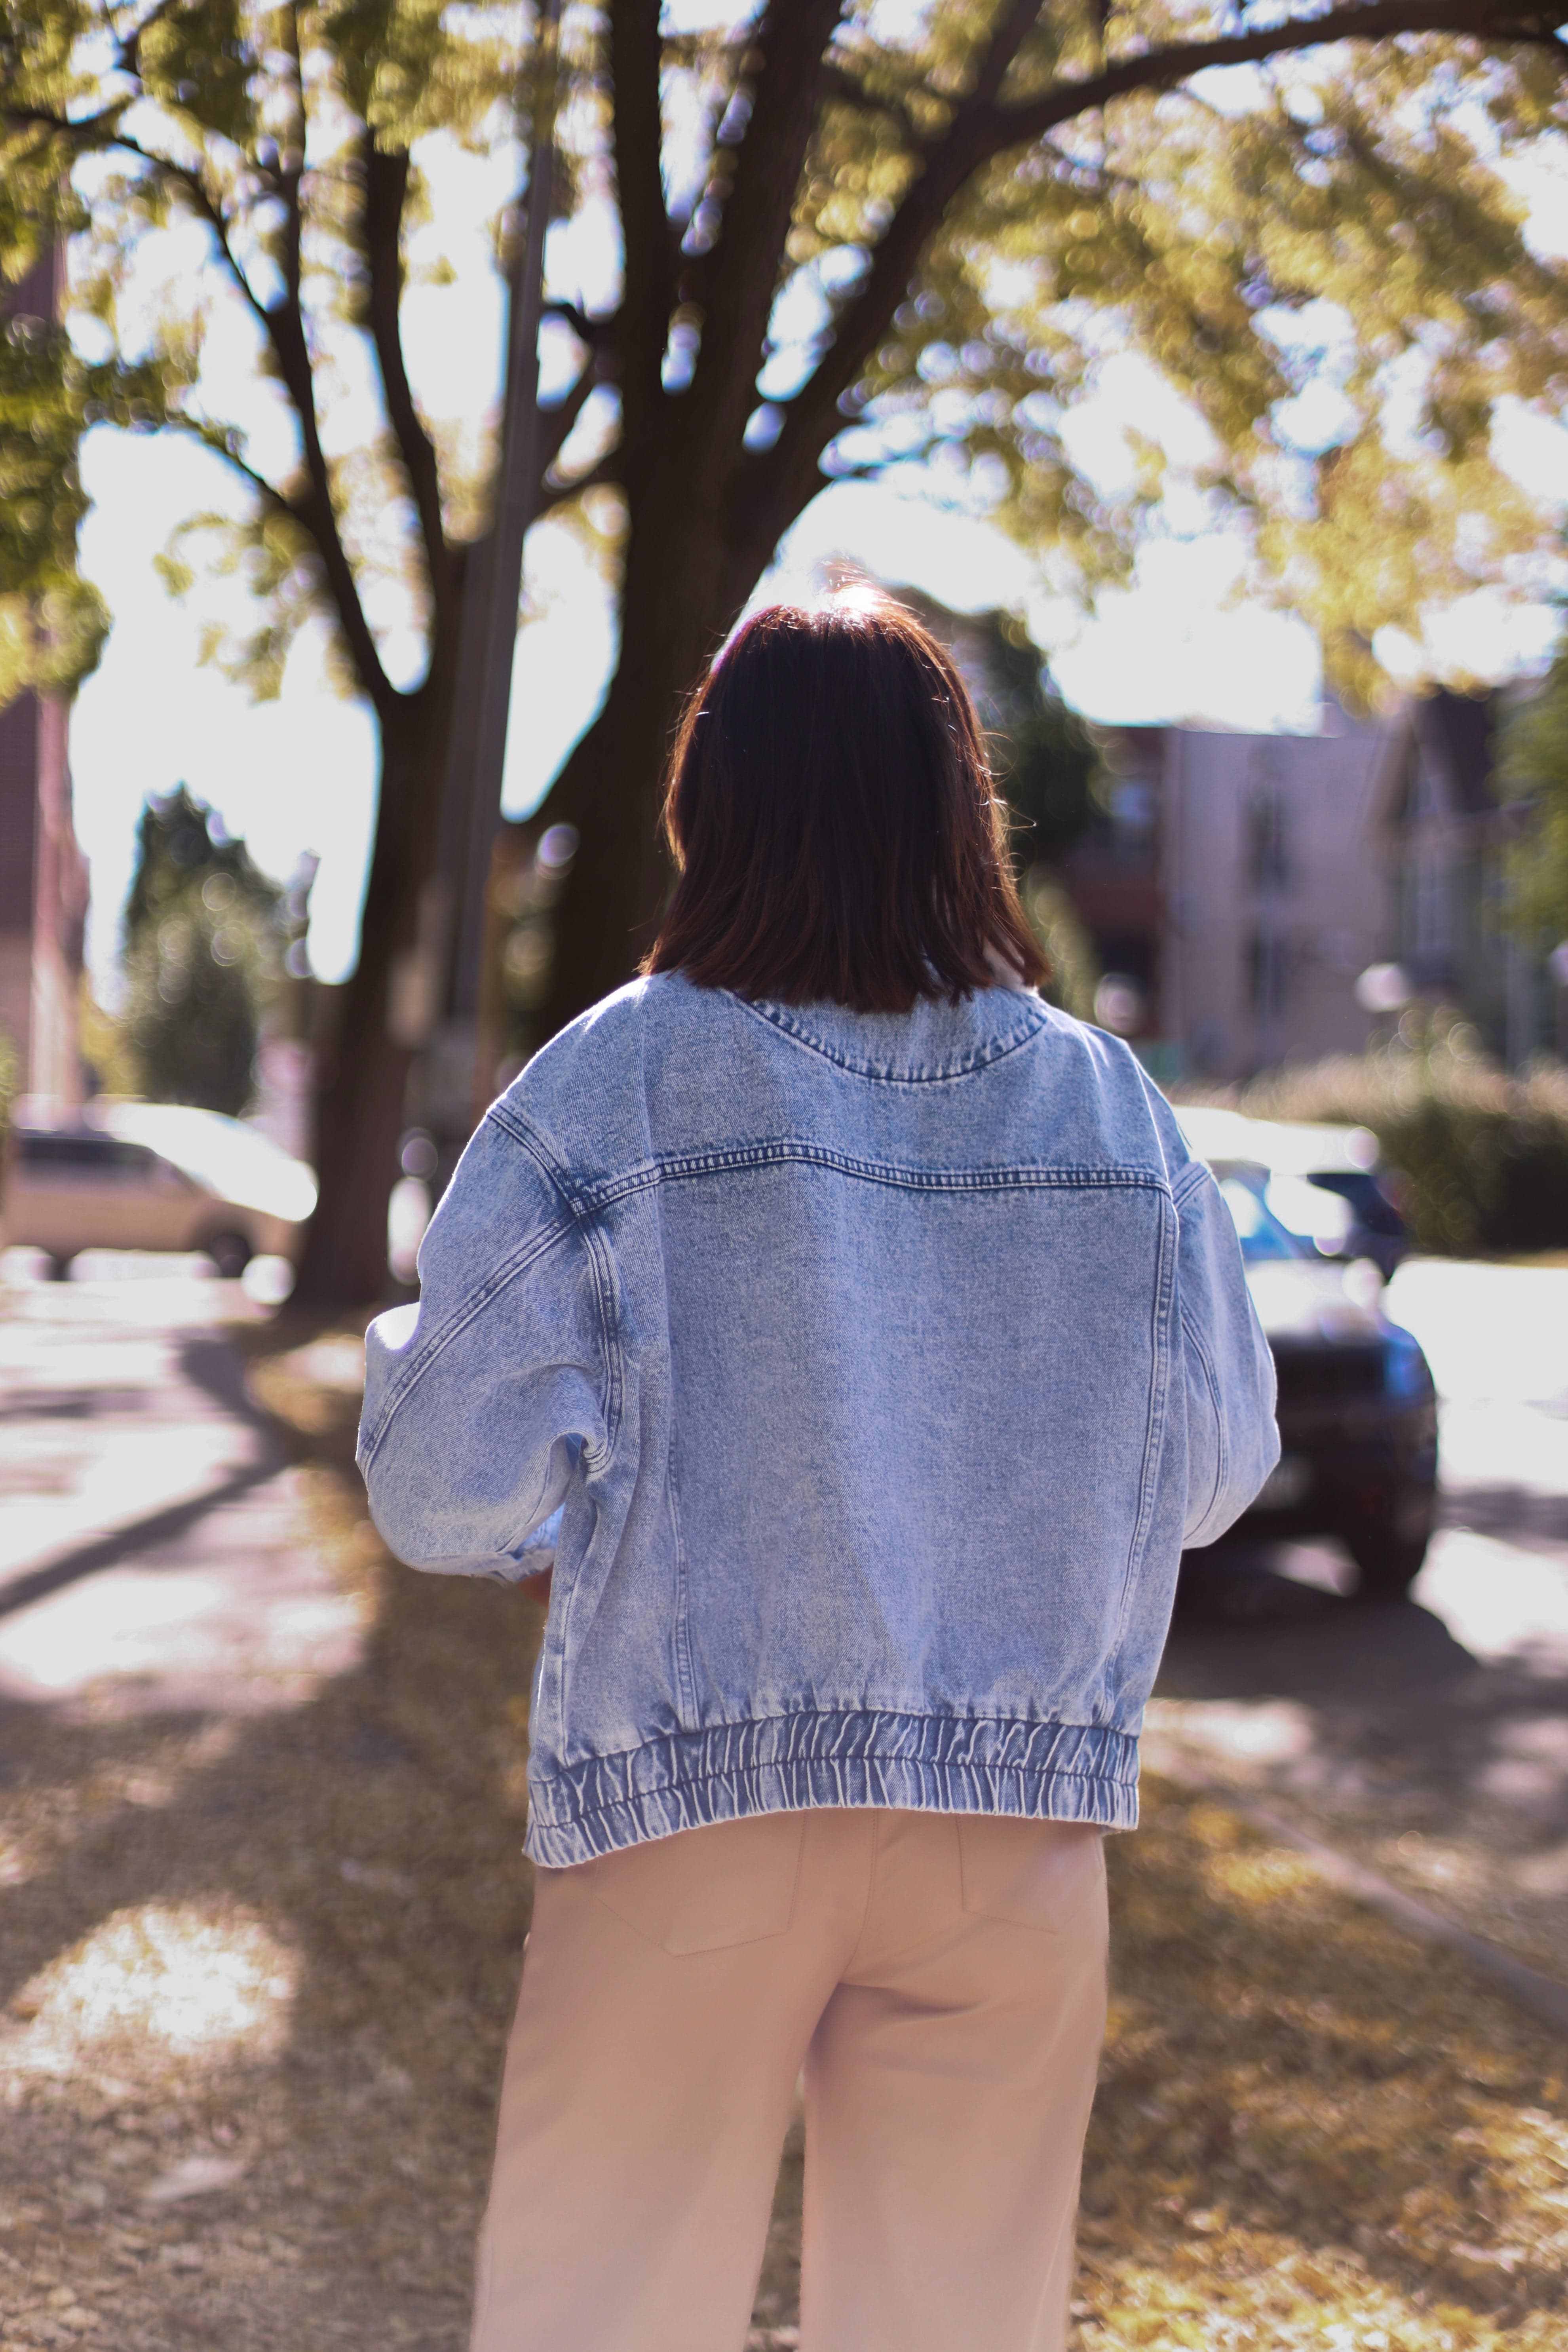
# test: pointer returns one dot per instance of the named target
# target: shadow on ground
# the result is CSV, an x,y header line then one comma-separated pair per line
x,y
274,1957
369,1841
1449,1771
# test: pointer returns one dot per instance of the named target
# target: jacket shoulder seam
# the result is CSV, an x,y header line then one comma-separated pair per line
x,y
579,1206
1192,1337
536,1246
522,1134
1159,1334
1188,1181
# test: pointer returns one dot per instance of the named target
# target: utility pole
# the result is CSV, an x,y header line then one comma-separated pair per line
x,y
517,489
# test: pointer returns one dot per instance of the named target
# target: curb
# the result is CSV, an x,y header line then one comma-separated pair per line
x,y
1542,1996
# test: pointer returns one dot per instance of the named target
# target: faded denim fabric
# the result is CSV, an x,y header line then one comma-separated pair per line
x,y
868,1372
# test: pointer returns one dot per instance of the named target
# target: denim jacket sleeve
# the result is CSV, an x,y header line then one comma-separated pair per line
x,y
480,1402
1227,1370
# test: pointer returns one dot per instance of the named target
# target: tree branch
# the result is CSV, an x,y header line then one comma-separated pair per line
x,y
285,323
284,326
1011,30
606,472
1153,70
1007,37
316,510
735,281
291,169
190,182
592,332
214,437
982,131
634,62
385,191
83,130
101,131
556,424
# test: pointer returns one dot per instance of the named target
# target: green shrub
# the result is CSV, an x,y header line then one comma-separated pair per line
x,y
203,952
1483,1156
1064,941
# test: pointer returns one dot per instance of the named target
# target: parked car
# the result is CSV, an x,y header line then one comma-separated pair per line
x,y
152,1176
1324,1182
1377,1229
1358,1411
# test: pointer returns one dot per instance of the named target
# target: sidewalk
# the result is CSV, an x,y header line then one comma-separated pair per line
x,y
151,1563
261,1794
262,1897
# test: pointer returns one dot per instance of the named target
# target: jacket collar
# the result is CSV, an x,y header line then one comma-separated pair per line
x,y
936,1041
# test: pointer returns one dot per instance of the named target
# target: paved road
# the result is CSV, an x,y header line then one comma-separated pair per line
x,y
1430,1737
152,1561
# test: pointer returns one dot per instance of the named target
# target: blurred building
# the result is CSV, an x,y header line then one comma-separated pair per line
x,y
1238,881
42,874
1113,875
1234,889
1244,883
1444,837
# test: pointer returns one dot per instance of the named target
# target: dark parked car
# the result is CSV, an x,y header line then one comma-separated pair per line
x,y
1377,1230
1358,1412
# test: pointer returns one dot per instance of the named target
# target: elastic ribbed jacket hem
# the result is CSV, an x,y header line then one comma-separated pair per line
x,y
920,1763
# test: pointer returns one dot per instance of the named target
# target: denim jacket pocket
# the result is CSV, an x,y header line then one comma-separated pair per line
x,y
704,1890
1030,1873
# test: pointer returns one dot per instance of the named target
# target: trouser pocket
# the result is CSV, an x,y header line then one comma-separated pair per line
x,y
1030,1873
703,1890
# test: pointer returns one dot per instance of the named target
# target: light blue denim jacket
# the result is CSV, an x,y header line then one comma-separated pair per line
x,y
868,1373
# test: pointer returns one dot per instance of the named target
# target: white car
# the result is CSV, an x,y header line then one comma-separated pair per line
x,y
125,1175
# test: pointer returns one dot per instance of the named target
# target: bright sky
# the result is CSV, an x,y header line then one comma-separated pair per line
x,y
298,775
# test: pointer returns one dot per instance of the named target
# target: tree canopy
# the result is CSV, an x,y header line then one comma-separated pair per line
x,y
1043,755
1535,772
960,235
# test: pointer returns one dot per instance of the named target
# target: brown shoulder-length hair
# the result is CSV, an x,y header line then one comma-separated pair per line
x,y
833,819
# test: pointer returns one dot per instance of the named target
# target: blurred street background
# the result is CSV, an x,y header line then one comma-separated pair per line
x,y
159,1564
263,1792
398,405
1430,1740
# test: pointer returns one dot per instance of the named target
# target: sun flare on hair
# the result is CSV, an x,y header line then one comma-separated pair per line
x,y
854,594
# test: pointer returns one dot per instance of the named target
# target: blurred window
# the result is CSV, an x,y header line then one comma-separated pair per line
x,y
1268,849
1261,1235
1132,806
86,1155
1316,1213
1267,973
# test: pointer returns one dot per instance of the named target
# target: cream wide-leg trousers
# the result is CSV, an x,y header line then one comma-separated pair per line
x,y
940,1978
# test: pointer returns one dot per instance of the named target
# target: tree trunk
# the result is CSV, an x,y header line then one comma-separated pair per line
x,y
385,1010
608,910
683,589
